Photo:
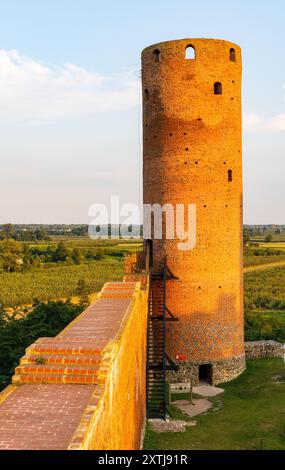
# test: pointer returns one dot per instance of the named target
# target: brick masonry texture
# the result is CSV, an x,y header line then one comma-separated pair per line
x,y
42,417
85,388
193,155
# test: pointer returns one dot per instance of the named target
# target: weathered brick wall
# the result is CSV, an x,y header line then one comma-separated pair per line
x,y
85,388
119,418
192,139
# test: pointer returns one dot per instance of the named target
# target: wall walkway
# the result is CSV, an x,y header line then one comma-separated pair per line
x,y
85,388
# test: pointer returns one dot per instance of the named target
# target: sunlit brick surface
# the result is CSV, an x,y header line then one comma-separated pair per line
x,y
192,155
84,389
42,416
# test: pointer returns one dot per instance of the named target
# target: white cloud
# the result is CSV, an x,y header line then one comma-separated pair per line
x,y
31,91
255,122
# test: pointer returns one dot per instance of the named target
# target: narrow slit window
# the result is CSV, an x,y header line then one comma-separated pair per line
x,y
156,55
190,53
232,55
146,94
218,88
230,176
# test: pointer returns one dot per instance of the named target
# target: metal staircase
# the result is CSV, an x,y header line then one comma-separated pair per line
x,y
158,361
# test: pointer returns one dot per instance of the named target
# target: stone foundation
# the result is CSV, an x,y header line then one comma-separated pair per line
x,y
262,349
222,371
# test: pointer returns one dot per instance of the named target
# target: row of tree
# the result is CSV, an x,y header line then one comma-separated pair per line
x,y
19,330
16,256
9,232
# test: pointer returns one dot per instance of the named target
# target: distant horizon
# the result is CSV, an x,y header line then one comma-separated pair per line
x,y
135,224
70,94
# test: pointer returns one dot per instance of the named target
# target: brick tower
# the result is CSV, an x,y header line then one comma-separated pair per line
x,y
193,155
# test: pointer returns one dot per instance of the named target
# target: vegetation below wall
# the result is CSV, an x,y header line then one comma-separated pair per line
x,y
249,415
265,305
52,270
56,282
19,331
251,259
265,289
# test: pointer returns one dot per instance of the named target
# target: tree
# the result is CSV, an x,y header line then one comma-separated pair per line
x,y
11,255
268,238
99,255
77,256
246,237
41,234
19,330
61,252
82,291
8,230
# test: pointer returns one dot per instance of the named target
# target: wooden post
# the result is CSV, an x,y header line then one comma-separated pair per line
x,y
191,391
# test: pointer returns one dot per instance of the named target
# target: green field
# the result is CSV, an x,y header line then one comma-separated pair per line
x,y
97,262
265,289
250,415
265,304
264,253
56,282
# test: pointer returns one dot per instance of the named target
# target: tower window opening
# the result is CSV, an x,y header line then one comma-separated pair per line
x,y
230,176
190,53
232,54
146,94
218,88
156,55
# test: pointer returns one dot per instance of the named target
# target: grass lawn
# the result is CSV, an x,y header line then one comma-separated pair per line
x,y
251,409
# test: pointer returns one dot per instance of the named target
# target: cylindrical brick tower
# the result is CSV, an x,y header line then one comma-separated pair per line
x,y
193,155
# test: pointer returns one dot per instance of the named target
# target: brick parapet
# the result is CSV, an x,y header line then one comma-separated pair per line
x,y
111,334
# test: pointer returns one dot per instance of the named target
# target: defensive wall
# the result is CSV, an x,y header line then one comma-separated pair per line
x,y
85,388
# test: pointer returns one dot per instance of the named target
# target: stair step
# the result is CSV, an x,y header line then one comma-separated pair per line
x,y
56,369
61,359
53,378
63,347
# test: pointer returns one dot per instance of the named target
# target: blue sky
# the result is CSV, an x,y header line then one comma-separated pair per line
x,y
70,113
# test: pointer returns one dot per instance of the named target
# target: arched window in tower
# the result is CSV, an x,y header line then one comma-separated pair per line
x,y
156,55
232,54
146,94
218,88
190,53
230,176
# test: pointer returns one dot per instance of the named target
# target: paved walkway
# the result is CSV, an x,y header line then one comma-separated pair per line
x,y
161,425
42,417
207,390
199,406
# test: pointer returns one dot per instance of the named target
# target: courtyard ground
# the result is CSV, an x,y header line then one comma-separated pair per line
x,y
250,414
